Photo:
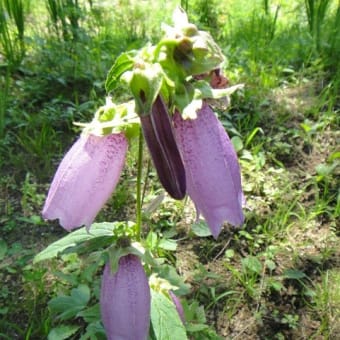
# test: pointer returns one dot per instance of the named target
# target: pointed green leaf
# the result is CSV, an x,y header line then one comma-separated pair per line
x,y
75,238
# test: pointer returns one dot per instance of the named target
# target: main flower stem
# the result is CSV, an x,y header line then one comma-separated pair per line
x,y
139,186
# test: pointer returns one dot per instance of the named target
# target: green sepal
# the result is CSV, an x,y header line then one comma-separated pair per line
x,y
190,99
207,54
145,82
119,250
193,51
111,118
203,90
122,64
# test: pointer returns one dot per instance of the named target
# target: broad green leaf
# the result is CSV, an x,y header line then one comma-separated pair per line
x,y
237,143
103,231
170,274
165,320
90,314
62,332
293,274
69,306
201,229
253,264
94,331
168,244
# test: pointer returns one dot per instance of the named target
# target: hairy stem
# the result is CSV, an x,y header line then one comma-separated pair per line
x,y
139,187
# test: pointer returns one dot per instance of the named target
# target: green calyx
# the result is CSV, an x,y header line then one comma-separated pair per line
x,y
145,82
111,118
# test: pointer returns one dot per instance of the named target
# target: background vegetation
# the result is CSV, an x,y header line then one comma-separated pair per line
x,y
277,277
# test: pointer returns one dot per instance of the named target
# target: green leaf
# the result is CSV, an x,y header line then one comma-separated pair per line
x,y
270,264
253,264
69,306
237,143
151,240
229,253
62,332
293,274
168,244
325,170
90,314
122,64
201,229
94,331
334,156
75,238
169,273
196,327
278,286
165,320
253,134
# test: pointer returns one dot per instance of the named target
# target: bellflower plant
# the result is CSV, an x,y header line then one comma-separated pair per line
x,y
171,84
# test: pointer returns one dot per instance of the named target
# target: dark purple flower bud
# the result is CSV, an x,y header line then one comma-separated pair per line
x,y
125,300
85,179
178,305
212,169
159,136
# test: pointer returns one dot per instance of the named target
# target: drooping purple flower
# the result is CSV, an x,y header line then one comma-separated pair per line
x,y
212,170
125,300
85,179
159,136
178,305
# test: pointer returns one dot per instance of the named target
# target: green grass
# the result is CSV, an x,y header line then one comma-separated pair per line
x,y
278,276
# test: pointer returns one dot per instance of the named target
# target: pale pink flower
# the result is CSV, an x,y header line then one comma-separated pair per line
x,y
211,167
85,179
